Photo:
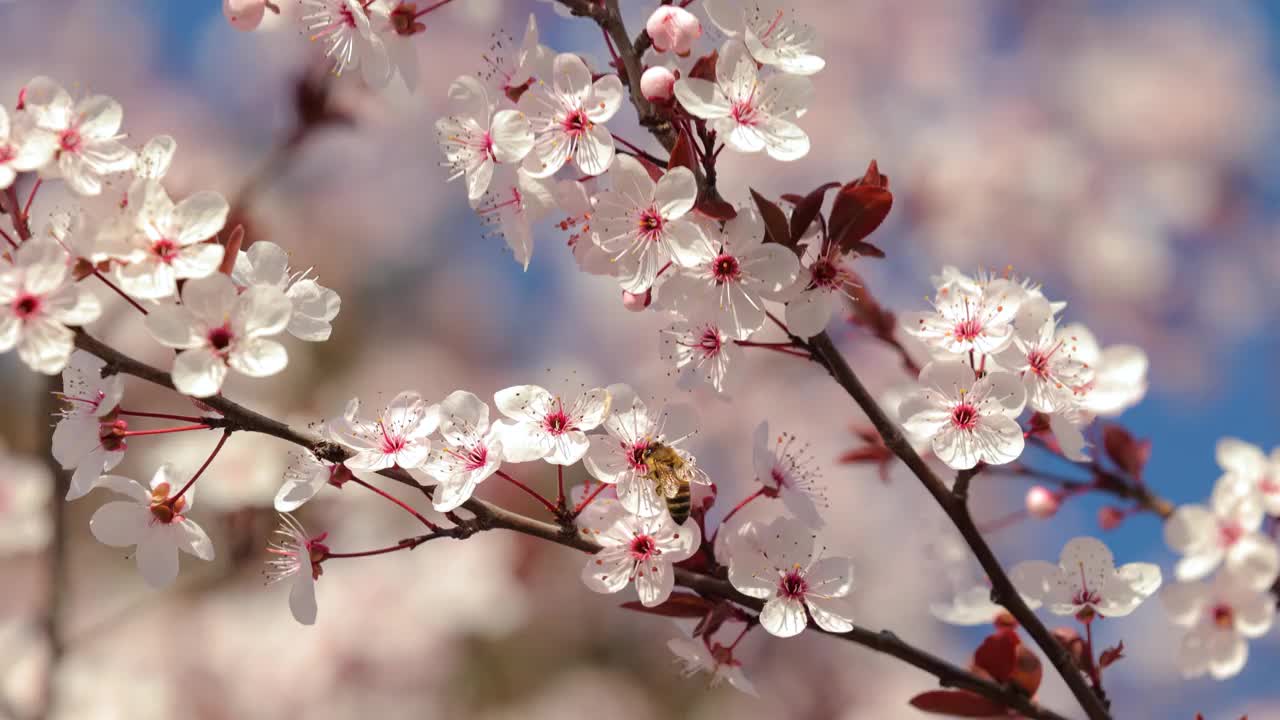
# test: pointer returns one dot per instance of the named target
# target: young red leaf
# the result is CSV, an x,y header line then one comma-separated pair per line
x,y
860,206
682,154
679,605
716,208
1027,672
1127,452
1111,655
775,221
998,655
958,703
705,67
807,208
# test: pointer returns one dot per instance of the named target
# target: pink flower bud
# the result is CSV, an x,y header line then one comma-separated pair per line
x,y
1042,502
1110,517
658,84
244,14
636,303
673,28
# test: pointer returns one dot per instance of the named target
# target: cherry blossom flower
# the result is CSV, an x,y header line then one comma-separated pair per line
x,y
515,201
304,478
542,426
568,117
153,520
618,457
1228,530
717,661
970,421
1220,616
701,350
575,200
22,149
673,29
969,316
216,328
736,276
821,284
266,264
85,133
25,487
348,37
1045,358
394,24
1252,471
1119,373
777,563
165,242
770,32
296,557
474,137
788,471
39,300
1085,582
473,451
399,437
87,437
511,68
641,550
748,115
643,224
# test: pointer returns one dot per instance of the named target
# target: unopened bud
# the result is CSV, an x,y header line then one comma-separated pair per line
x,y
673,28
244,14
657,84
1042,503
636,303
1110,517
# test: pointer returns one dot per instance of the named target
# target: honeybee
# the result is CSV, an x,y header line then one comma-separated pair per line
x,y
671,475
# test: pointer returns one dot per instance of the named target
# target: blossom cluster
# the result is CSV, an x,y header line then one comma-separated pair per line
x,y
997,347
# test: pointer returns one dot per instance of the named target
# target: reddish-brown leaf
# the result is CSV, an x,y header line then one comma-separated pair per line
x,y
775,221
807,208
998,654
679,605
716,208
682,154
1127,452
958,703
860,206
705,67
1111,655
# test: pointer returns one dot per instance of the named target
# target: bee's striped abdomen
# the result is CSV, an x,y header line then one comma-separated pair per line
x,y
680,505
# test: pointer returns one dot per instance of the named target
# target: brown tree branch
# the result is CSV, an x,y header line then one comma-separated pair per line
x,y
954,505
487,516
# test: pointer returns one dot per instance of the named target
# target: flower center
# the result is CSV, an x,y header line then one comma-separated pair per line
x,y
165,249
576,123
26,306
637,455
710,343
743,112
968,330
793,586
220,338
824,273
70,140
346,17
1223,617
725,268
162,508
1229,534
391,443
779,478
557,422
643,547
476,457
964,417
651,223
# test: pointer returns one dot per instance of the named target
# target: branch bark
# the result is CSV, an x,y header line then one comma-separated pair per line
x,y
954,505
487,516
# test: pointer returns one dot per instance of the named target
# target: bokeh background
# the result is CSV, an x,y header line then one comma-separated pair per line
x,y
1122,153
